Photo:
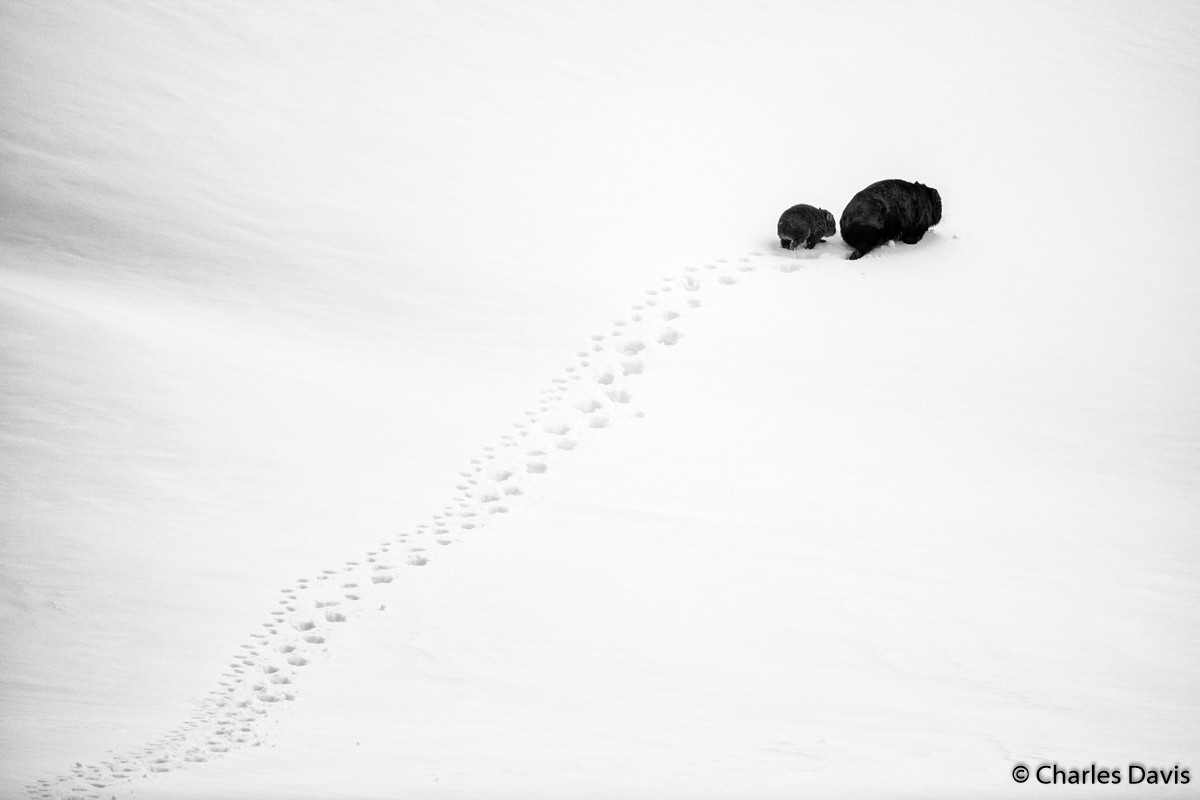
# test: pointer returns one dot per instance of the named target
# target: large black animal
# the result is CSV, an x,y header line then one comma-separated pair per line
x,y
889,210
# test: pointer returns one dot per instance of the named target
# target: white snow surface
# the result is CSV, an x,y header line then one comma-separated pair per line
x,y
297,298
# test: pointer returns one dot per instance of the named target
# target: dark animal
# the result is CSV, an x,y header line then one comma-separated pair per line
x,y
887,210
804,223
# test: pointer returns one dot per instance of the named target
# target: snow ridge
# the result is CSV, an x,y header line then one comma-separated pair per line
x,y
593,393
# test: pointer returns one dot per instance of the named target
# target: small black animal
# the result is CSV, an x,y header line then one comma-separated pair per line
x,y
887,210
804,223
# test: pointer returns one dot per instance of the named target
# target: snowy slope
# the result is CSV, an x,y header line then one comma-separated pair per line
x,y
286,292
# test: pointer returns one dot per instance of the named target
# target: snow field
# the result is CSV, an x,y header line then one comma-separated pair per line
x,y
297,302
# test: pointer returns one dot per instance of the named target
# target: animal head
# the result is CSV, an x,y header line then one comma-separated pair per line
x,y
935,200
830,227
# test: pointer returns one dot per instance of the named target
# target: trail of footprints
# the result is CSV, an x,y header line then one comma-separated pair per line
x,y
594,392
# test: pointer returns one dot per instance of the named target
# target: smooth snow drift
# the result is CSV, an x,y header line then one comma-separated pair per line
x,y
414,400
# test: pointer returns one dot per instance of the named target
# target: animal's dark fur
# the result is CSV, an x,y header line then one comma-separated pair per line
x,y
887,210
804,224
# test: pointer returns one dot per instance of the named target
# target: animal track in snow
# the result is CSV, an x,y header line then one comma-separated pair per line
x,y
491,486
